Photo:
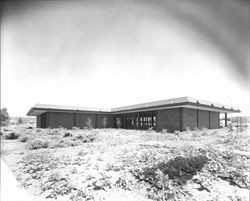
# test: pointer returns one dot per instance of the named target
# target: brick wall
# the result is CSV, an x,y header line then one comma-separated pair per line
x,y
214,120
189,118
81,118
57,119
38,121
168,119
110,120
203,119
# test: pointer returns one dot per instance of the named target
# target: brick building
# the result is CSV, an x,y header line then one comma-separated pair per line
x,y
171,114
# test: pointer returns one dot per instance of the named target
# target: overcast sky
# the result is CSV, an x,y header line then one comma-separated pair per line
x,y
114,53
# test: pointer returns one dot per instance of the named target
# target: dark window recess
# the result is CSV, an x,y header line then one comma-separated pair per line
x,y
141,120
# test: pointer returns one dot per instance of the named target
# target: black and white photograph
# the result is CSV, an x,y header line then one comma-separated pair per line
x,y
125,100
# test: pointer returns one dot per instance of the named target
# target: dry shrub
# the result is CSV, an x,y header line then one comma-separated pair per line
x,y
164,131
85,137
38,162
12,136
24,138
180,169
68,142
37,144
57,184
54,132
67,134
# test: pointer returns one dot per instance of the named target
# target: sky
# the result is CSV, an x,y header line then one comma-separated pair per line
x,y
112,53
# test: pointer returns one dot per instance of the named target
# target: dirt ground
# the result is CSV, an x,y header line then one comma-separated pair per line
x,y
112,164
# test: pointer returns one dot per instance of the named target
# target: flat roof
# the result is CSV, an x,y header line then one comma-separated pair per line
x,y
185,102
38,109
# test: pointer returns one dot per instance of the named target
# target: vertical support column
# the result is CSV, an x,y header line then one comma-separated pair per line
x,y
197,119
181,120
124,121
74,119
225,119
209,120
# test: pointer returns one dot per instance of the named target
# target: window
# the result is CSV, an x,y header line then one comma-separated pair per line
x,y
154,120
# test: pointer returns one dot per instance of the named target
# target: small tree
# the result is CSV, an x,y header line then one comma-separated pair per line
x,y
4,117
104,122
118,122
88,122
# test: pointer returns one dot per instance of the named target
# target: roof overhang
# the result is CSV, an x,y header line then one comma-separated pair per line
x,y
183,102
186,105
39,109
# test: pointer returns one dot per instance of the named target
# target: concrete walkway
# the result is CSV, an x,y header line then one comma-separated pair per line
x,y
9,187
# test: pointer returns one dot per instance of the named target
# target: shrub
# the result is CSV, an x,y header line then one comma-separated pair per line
x,y
150,129
29,127
56,176
23,138
12,136
81,195
214,132
37,144
56,185
20,120
177,132
4,117
180,169
67,134
164,131
188,129
88,122
53,132
85,137
204,131
69,142
39,161
104,122
196,132
118,122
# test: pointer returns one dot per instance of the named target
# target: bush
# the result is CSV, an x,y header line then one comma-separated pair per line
x,y
81,195
177,133
204,131
12,136
88,123
150,129
37,144
24,138
85,137
196,133
4,117
56,176
20,120
67,134
39,161
104,122
54,132
69,142
164,131
56,185
180,169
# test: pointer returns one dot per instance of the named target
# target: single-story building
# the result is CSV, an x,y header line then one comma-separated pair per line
x,y
172,114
